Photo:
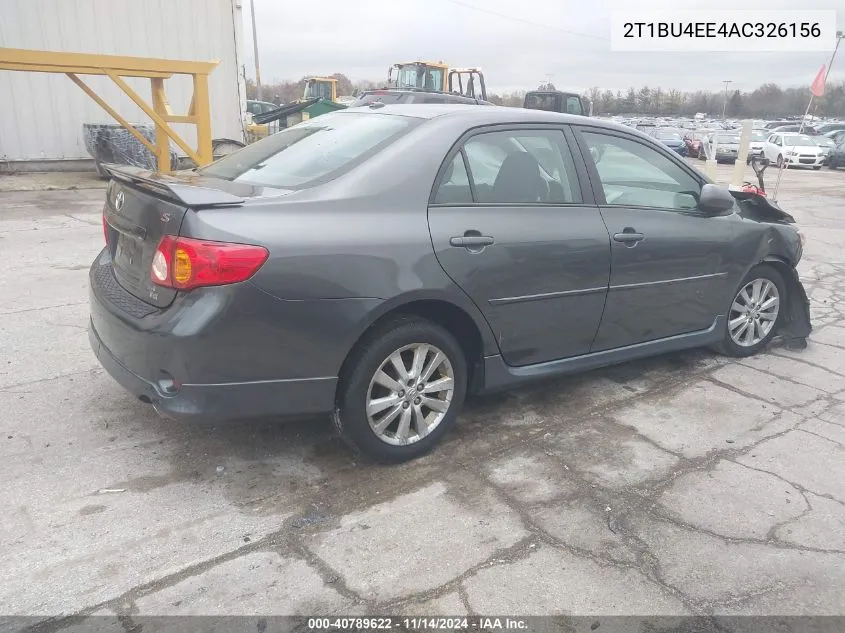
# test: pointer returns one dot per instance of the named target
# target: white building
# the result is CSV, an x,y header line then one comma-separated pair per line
x,y
41,114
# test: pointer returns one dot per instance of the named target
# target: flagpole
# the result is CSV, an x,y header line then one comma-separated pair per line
x,y
782,167
806,112
816,90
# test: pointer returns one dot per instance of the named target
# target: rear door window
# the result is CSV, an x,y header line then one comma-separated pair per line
x,y
312,152
519,166
454,185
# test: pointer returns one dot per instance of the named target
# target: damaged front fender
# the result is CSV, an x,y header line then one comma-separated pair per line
x,y
781,247
796,325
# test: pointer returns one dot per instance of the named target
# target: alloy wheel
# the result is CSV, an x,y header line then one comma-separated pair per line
x,y
754,312
410,394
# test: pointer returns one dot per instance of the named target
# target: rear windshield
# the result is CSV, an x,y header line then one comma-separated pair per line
x,y
730,139
380,97
667,135
535,101
311,152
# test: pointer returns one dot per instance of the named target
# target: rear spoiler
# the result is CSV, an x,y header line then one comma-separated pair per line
x,y
172,188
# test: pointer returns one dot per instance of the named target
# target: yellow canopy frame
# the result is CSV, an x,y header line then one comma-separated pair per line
x,y
117,67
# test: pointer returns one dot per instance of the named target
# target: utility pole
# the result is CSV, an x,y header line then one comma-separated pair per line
x,y
255,51
725,105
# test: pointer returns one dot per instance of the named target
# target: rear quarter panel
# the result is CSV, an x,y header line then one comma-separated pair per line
x,y
361,238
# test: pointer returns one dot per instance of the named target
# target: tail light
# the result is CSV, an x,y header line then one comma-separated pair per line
x,y
184,263
105,226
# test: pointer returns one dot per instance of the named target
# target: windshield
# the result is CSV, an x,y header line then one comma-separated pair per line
x,y
727,139
380,97
419,76
798,140
759,135
667,135
311,152
321,89
540,101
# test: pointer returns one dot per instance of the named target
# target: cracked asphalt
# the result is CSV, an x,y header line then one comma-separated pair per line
x,y
683,484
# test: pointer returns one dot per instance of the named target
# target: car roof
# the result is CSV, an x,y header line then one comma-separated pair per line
x,y
456,98
486,115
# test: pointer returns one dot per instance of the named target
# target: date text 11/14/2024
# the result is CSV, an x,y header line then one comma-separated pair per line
x,y
476,623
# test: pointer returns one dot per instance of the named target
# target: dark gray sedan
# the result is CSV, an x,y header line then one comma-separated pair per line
x,y
379,263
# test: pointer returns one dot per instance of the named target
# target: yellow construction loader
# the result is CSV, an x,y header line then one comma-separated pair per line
x,y
437,77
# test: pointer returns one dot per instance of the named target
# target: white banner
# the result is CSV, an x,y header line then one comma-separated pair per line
x,y
720,31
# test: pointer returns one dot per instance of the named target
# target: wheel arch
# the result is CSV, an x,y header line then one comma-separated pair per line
x,y
460,318
796,325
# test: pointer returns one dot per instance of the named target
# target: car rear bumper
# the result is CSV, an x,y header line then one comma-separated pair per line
x,y
224,353
213,403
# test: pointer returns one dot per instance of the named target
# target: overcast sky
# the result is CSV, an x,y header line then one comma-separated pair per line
x,y
518,43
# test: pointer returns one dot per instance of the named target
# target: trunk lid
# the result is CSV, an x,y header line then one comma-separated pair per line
x,y
142,207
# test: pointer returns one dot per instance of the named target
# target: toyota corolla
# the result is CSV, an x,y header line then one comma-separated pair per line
x,y
377,264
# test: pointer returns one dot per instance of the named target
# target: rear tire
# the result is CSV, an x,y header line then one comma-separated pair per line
x,y
742,314
385,414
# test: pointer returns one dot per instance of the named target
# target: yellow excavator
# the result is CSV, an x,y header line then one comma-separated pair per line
x,y
437,77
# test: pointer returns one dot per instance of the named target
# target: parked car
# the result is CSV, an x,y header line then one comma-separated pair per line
x,y
260,107
377,264
794,149
835,135
771,125
671,138
836,158
758,140
723,147
827,145
833,126
809,130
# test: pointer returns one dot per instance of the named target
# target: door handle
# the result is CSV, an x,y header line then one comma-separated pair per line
x,y
629,237
471,239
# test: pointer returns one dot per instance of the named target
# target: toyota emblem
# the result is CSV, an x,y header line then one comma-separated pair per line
x,y
119,200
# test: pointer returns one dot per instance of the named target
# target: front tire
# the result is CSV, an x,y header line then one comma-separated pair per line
x,y
755,313
816,167
401,390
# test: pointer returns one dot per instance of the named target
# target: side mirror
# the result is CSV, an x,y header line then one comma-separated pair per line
x,y
715,199
597,152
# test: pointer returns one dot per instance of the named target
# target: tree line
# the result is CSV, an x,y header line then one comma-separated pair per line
x,y
768,101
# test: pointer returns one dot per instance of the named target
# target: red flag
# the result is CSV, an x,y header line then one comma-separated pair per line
x,y
817,89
